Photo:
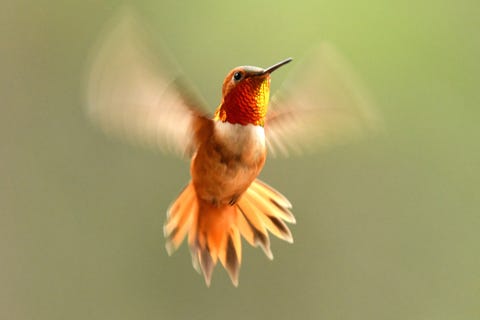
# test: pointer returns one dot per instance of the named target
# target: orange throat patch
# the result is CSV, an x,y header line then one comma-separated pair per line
x,y
247,103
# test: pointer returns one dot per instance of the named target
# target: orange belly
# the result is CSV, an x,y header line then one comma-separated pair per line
x,y
221,177
227,162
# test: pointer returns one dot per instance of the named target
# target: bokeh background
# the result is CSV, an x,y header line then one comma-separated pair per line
x,y
387,227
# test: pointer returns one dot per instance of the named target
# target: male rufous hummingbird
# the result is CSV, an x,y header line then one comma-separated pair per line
x,y
224,201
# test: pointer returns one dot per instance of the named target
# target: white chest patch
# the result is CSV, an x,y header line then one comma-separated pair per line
x,y
238,138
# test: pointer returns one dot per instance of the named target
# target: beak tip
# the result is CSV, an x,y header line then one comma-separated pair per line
x,y
278,65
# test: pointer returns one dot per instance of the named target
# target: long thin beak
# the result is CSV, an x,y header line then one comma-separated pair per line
x,y
277,65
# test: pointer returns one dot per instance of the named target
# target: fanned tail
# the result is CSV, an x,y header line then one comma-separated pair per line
x,y
214,230
262,208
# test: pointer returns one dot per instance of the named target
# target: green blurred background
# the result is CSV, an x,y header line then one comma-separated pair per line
x,y
387,228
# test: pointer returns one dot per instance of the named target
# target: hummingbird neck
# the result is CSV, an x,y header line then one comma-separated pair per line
x,y
245,105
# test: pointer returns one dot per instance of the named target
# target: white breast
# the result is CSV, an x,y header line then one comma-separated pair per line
x,y
238,138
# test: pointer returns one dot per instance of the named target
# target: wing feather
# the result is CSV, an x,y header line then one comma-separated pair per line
x,y
323,102
129,94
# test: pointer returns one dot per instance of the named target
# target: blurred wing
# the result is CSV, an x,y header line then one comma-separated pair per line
x,y
131,96
320,104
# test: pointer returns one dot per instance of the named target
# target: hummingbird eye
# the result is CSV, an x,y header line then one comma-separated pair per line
x,y
237,76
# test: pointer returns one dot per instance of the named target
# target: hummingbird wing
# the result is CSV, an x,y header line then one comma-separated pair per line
x,y
130,94
322,103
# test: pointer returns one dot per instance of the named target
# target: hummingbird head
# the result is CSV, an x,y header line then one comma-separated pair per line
x,y
246,92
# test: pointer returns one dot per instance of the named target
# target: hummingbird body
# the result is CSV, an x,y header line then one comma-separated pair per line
x,y
215,208
229,159
231,152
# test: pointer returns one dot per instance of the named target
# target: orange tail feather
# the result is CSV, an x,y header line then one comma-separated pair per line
x,y
214,231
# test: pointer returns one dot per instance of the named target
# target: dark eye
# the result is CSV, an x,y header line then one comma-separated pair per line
x,y
237,76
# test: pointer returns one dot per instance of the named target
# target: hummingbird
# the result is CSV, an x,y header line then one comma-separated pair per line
x,y
130,95
224,199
